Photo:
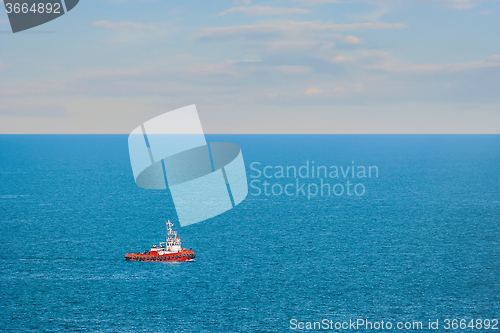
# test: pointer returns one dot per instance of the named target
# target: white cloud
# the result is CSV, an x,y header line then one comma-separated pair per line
x,y
134,32
371,16
374,59
315,2
158,70
261,10
124,26
313,91
399,66
338,91
461,4
352,40
292,27
291,69
344,59
309,43
289,45
196,70
455,4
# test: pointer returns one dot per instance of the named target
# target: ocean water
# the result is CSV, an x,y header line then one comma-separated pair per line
x,y
421,243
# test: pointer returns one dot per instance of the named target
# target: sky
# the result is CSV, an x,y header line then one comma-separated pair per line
x,y
284,66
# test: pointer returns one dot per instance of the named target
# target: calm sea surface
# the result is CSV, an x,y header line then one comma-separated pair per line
x,y
422,242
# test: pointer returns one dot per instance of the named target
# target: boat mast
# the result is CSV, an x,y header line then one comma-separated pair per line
x,y
169,230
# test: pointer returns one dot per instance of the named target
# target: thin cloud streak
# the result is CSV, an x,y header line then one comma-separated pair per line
x,y
123,25
315,2
262,10
398,66
454,4
291,27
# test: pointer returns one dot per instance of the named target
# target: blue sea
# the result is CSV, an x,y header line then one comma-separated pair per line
x,y
420,244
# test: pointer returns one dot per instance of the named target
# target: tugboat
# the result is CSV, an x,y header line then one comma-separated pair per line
x,y
170,250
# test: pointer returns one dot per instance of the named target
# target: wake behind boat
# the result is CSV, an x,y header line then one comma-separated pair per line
x,y
170,250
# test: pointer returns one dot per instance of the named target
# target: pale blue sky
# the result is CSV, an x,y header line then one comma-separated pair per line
x,y
304,66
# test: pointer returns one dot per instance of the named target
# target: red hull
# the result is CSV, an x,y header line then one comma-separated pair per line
x,y
153,256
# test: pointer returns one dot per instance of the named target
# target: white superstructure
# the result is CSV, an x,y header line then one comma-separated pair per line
x,y
172,244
